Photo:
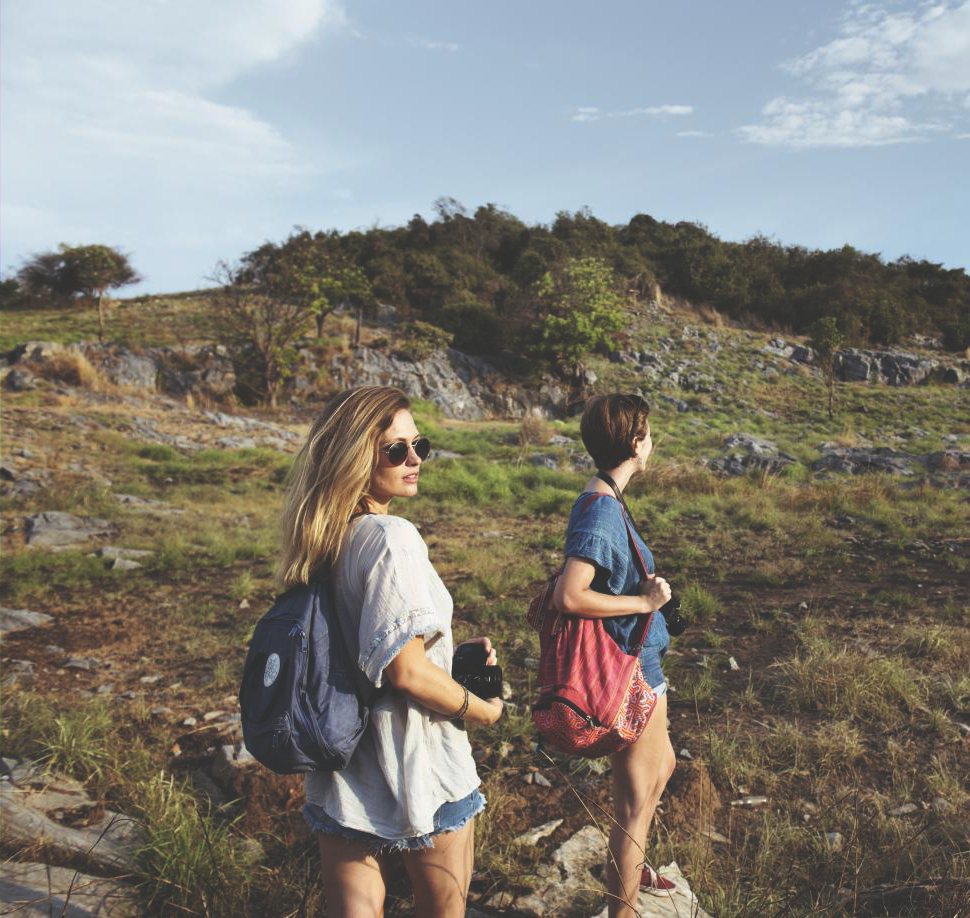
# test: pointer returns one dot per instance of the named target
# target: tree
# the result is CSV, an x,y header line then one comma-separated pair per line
x,y
826,339
309,270
84,272
579,310
259,324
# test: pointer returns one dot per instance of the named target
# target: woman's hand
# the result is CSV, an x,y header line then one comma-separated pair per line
x,y
491,658
655,590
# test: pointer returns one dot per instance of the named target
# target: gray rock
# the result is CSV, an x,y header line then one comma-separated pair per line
x,y
906,809
834,842
123,564
113,553
560,440
802,354
236,443
19,380
534,836
677,403
548,462
952,376
123,367
58,530
87,664
744,452
147,505
16,671
108,842
40,890
681,903
21,620
859,460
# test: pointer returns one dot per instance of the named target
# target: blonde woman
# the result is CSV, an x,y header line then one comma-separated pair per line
x,y
411,787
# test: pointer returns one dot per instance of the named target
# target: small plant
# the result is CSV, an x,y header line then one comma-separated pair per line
x,y
190,862
697,604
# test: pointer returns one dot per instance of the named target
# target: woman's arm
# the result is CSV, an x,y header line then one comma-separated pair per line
x,y
414,674
574,596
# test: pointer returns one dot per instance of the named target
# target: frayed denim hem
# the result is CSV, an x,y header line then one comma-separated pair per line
x,y
450,817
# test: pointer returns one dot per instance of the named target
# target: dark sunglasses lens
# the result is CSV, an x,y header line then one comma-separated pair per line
x,y
397,453
422,446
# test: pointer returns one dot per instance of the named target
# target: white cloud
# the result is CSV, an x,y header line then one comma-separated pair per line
x,y
890,77
109,102
430,44
584,114
694,134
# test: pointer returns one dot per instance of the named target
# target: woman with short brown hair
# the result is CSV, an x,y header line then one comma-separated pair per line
x,y
602,580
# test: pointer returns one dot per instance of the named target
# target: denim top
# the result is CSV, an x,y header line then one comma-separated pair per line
x,y
597,533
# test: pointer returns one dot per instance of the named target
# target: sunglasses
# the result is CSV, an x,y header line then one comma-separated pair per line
x,y
397,452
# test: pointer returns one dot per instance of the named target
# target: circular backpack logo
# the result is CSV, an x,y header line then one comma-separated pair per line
x,y
272,669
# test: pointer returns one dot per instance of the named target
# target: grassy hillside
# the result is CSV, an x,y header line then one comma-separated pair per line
x,y
844,602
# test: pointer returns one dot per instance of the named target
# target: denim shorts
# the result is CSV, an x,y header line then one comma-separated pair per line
x,y
449,817
654,647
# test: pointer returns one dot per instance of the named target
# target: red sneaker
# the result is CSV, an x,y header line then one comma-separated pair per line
x,y
651,882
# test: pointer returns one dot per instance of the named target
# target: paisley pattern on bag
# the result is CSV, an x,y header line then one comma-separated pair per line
x,y
564,728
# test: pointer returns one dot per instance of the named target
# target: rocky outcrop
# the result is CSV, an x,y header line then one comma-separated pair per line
x,y
744,452
895,368
200,370
462,386
858,460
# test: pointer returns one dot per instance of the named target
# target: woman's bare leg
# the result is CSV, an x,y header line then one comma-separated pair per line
x,y
353,879
440,876
640,774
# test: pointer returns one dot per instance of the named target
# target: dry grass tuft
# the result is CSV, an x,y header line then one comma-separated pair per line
x,y
72,369
534,431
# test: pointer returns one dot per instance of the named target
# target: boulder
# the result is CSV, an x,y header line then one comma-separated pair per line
x,y
21,620
859,460
35,812
58,531
679,904
122,366
40,890
19,380
744,452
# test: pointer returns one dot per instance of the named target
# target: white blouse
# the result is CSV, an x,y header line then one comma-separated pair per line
x,y
410,759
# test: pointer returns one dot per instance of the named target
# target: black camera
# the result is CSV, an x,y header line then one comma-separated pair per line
x,y
676,623
468,668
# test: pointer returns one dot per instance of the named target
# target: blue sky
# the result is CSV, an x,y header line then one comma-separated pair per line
x,y
187,132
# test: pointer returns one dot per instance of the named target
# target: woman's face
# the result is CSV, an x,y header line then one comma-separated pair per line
x,y
644,448
396,480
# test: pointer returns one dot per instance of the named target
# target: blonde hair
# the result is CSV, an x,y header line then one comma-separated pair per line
x,y
330,480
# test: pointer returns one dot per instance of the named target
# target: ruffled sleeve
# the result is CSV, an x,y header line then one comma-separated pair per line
x,y
392,562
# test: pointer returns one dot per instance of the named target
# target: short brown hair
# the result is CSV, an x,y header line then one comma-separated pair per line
x,y
610,423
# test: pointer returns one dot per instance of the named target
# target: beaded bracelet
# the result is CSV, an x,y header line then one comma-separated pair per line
x,y
463,710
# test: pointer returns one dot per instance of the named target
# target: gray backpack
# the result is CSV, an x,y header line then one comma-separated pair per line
x,y
304,701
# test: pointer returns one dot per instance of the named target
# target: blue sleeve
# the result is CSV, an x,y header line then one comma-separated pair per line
x,y
597,533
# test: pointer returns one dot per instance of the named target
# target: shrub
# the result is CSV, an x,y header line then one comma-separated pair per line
x,y
419,340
